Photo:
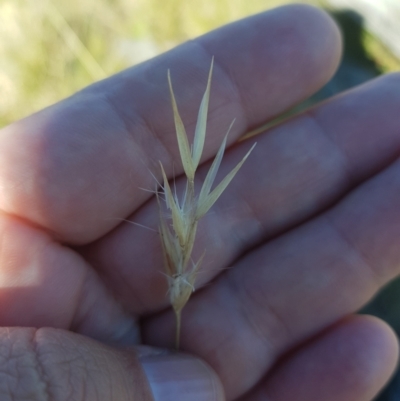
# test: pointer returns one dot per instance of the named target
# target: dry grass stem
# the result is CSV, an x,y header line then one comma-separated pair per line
x,y
179,219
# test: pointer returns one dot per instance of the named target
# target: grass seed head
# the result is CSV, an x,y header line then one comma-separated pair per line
x,y
179,225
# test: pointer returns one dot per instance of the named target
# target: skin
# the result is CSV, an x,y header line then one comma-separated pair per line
x,y
304,236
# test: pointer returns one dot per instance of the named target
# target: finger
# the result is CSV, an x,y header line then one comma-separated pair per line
x,y
294,286
76,166
296,171
59,365
351,361
45,284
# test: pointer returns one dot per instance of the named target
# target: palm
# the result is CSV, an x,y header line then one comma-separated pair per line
x,y
296,226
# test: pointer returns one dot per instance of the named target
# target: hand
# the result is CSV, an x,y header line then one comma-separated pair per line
x,y
309,229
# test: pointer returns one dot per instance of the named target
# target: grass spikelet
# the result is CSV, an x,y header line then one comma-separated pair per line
x,y
179,225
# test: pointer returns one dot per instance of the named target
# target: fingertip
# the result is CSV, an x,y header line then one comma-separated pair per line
x,y
324,38
376,349
284,56
351,360
361,353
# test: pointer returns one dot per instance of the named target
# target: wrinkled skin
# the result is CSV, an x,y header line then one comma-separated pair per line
x,y
305,235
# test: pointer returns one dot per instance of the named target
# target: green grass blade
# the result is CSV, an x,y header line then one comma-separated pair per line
x,y
212,172
216,193
169,262
183,143
201,125
176,213
171,255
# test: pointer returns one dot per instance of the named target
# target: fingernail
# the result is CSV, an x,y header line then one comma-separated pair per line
x,y
176,377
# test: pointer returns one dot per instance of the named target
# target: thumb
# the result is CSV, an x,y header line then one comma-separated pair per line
x,y
52,364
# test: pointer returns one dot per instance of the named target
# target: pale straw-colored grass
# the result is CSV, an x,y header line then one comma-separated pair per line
x,y
179,219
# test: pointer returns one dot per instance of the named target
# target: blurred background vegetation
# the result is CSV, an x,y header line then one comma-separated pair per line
x,y
49,49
